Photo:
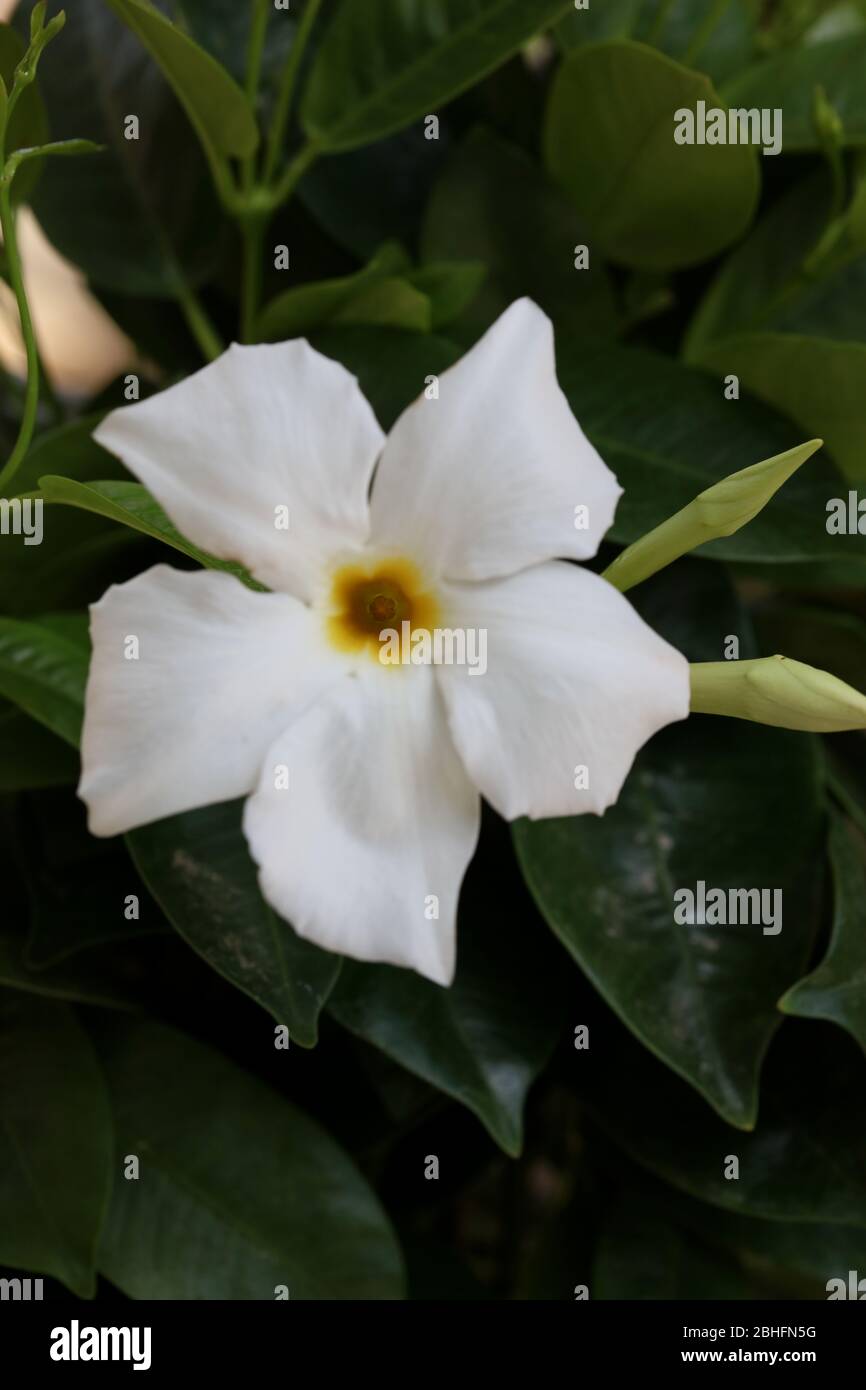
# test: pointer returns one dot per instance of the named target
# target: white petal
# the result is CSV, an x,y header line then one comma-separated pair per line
x,y
220,671
376,826
486,479
259,429
574,678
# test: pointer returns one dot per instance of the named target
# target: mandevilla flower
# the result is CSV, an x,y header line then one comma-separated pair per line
x,y
363,778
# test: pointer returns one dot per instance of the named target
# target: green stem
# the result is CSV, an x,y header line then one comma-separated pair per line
x,y
197,319
846,800
251,280
258,31
292,175
703,32
277,136
660,21
31,396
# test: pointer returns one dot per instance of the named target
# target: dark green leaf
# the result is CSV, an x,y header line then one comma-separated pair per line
x,y
382,63
495,205
701,997
43,670
837,989
214,102
667,432
131,216
484,1039
239,1192
609,141
198,867
30,756
815,381
132,505
805,1161
55,1142
788,81
392,367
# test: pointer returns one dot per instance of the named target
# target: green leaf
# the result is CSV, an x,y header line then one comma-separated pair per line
x,y
296,312
392,367
239,1192
132,505
817,382
383,63
130,217
756,284
788,81
43,670
198,867
493,204
89,979
214,102
389,303
642,1254
450,287
701,997
609,142
668,433
55,573
804,1162
484,1039
55,1142
836,990
62,148
30,756
29,124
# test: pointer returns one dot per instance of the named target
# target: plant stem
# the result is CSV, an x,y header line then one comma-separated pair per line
x,y
704,31
258,31
197,319
292,175
31,396
251,280
277,135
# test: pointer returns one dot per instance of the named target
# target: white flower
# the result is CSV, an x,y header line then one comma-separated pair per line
x,y
363,779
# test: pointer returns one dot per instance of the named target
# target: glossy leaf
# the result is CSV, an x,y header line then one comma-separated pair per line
x,y
816,382
667,432
485,1038
55,1142
383,63
198,867
43,670
239,1192
701,997
609,142
133,506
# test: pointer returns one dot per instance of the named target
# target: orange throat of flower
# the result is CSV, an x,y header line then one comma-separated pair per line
x,y
370,599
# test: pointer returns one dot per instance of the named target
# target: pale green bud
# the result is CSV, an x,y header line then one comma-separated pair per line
x,y
777,690
719,510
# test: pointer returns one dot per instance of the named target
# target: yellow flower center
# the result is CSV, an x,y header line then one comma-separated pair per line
x,y
371,597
